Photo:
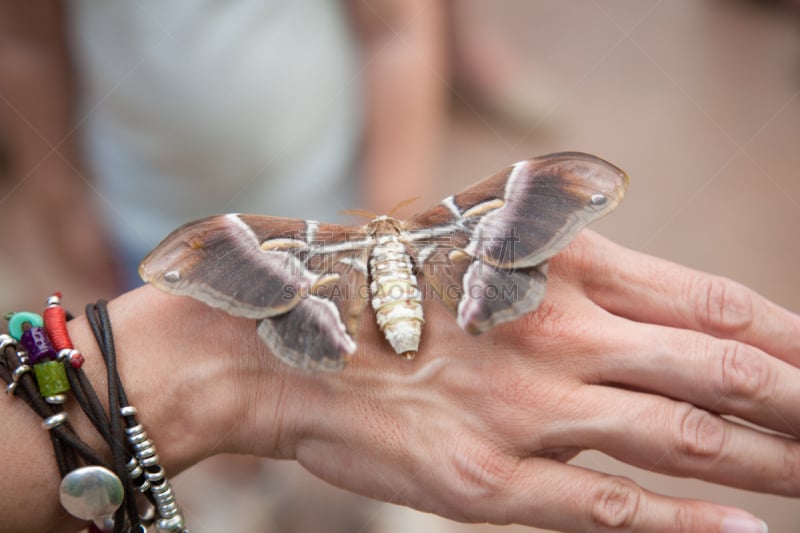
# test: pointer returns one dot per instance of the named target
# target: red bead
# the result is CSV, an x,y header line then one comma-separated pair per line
x,y
76,360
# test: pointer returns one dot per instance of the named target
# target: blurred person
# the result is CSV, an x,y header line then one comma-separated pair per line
x,y
489,73
125,120
175,111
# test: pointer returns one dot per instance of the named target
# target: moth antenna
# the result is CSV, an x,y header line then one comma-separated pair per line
x,y
358,213
402,204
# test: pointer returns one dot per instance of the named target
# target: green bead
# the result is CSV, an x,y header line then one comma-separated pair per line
x,y
51,377
17,319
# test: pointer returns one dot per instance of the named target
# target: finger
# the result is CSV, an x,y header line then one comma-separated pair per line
x,y
677,438
496,488
648,289
554,495
721,375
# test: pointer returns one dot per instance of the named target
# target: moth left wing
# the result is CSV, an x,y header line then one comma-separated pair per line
x,y
219,261
484,250
303,280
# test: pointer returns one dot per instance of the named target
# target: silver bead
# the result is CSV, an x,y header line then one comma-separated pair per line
x,y
157,475
52,422
6,340
20,371
134,470
128,410
136,438
23,357
56,399
144,486
148,462
148,449
64,354
162,488
91,493
135,430
170,525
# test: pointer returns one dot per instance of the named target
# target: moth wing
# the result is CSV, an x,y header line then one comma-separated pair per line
x,y
335,259
306,280
310,336
502,230
530,211
219,261
481,295
439,257
546,202
495,296
319,332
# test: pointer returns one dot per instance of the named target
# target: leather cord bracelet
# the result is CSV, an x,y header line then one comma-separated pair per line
x,y
123,494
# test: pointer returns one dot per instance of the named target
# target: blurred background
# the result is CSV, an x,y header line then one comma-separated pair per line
x,y
119,122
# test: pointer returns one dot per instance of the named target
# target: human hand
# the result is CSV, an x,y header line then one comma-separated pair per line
x,y
628,354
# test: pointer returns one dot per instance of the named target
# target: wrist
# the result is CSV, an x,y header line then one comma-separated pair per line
x,y
177,362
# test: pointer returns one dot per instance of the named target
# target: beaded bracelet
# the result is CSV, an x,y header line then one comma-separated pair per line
x,y
40,365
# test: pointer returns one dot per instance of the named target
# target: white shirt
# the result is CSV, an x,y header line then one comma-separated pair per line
x,y
196,107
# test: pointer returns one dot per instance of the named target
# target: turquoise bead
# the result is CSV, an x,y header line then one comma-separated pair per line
x,y
17,319
51,377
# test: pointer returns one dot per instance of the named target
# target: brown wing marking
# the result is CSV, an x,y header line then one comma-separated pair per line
x,y
217,260
483,252
311,336
493,296
546,202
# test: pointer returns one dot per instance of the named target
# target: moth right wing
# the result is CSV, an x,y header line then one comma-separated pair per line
x,y
484,251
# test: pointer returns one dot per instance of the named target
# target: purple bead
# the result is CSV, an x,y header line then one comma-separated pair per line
x,y
38,345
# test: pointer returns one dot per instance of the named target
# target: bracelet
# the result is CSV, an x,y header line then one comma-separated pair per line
x,y
40,365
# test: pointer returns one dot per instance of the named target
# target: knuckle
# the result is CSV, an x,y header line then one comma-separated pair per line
x,y
743,373
682,519
722,307
616,502
700,433
687,516
547,321
484,472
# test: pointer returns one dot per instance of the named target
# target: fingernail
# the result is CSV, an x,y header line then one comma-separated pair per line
x,y
743,524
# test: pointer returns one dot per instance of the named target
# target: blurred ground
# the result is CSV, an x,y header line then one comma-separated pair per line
x,y
698,100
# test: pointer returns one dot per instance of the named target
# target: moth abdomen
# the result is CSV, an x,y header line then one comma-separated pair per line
x,y
396,297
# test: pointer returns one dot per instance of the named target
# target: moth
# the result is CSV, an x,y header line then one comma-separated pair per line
x,y
482,253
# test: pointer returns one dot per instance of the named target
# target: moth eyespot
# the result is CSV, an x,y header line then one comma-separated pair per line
x,y
172,276
598,199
